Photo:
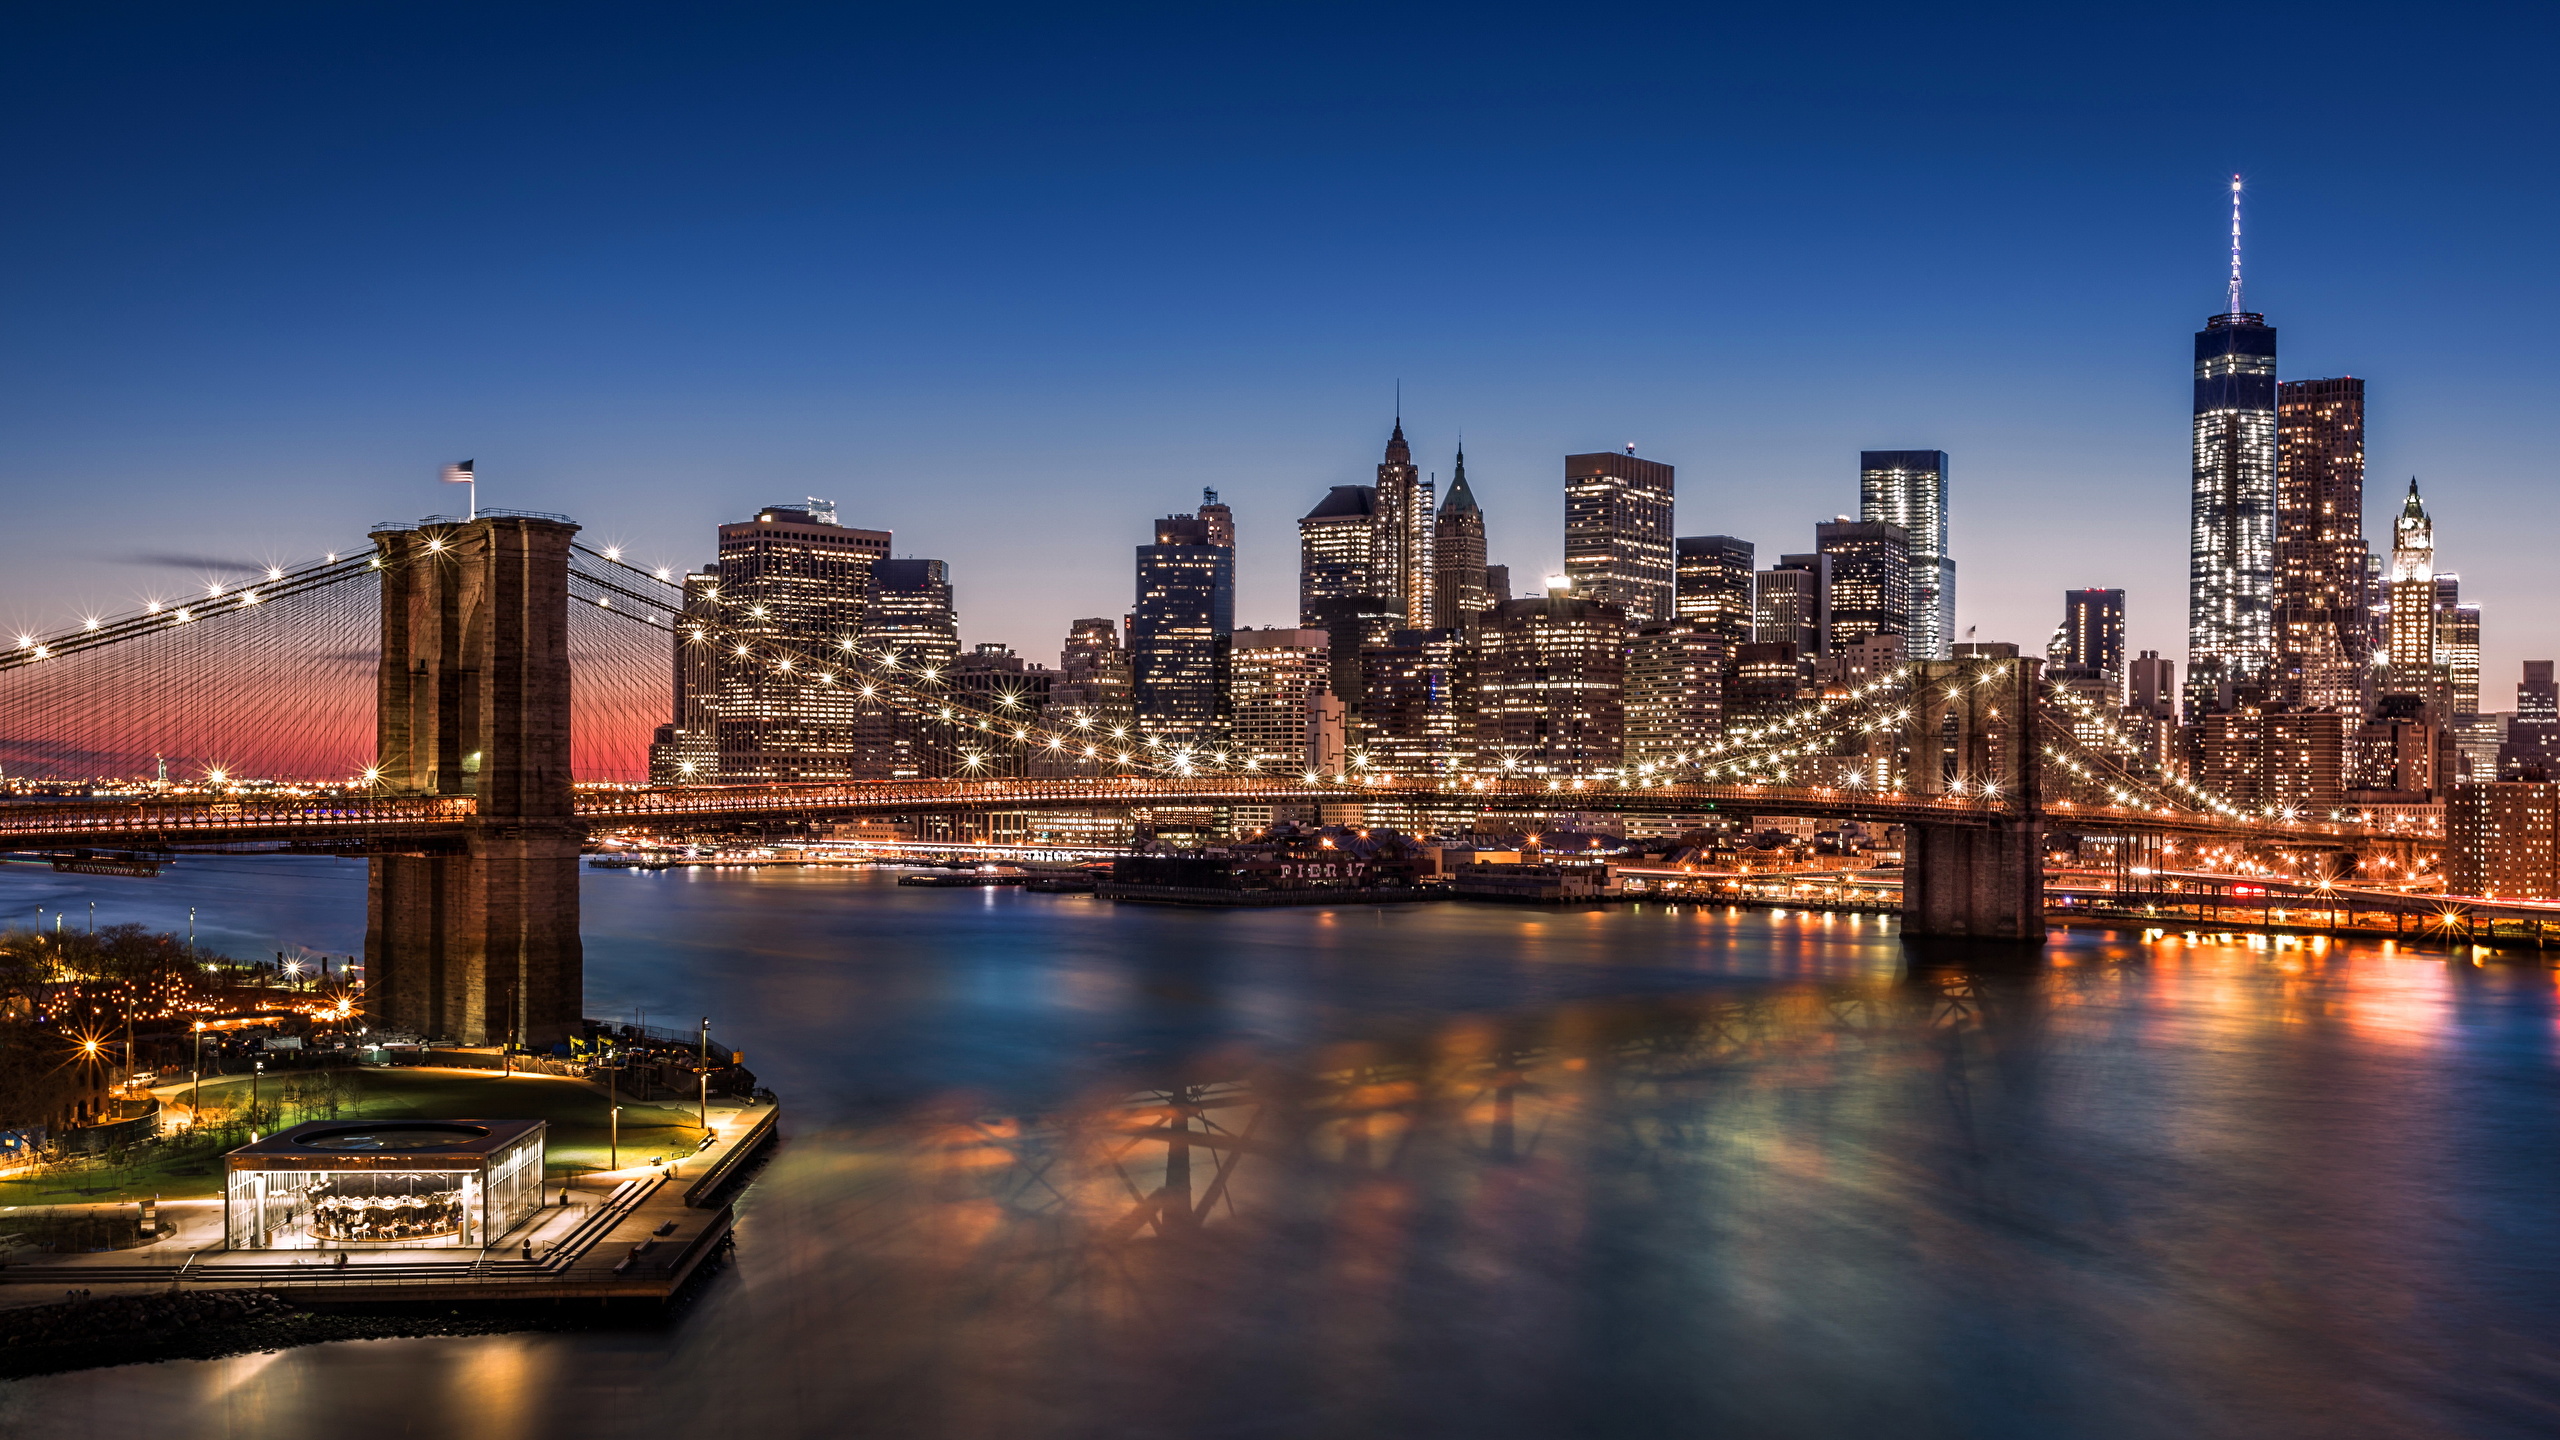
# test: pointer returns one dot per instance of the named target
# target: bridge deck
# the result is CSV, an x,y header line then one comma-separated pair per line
x,y
171,824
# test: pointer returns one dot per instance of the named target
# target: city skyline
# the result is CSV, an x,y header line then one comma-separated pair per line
x,y
656,379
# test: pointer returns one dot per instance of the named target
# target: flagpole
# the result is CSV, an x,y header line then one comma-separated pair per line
x,y
471,498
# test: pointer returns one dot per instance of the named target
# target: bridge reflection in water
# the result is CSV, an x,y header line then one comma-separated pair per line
x,y
1781,1211
1432,1174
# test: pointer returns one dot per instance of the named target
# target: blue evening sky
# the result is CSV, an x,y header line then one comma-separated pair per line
x,y
1011,282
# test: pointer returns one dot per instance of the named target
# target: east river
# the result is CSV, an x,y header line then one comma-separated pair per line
x,y
1474,1171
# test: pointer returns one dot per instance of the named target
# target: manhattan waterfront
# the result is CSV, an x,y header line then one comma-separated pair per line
x,y
1195,722
1476,1170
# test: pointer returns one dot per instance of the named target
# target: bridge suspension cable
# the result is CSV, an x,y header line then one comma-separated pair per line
x,y
269,676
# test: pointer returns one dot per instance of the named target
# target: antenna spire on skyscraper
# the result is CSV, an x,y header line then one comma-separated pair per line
x,y
2235,244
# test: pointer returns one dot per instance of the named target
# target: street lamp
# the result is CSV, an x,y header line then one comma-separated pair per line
x,y
613,1146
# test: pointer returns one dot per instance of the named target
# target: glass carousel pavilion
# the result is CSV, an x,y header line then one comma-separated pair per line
x,y
406,1184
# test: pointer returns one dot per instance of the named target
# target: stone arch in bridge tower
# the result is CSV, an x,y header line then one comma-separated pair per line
x,y
478,943
1972,730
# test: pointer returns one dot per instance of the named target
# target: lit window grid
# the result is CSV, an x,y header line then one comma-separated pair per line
x,y
1271,687
1618,546
2231,566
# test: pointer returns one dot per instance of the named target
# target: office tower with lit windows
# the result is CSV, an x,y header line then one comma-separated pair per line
x,y
1763,681
1870,586
2322,629
991,679
1617,533
2502,840
2457,645
1713,584
1459,598
1675,689
1552,682
1179,633
687,751
1871,657
1497,584
2396,754
2412,648
2231,555
1909,488
1337,552
2088,648
1088,699
1400,558
911,617
2532,747
913,630
2276,761
1337,578
788,580
1093,677
1792,604
1274,674
1419,707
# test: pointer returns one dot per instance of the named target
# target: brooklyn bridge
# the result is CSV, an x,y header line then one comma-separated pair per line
x,y
466,701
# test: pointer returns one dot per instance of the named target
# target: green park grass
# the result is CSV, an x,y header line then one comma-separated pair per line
x,y
575,1142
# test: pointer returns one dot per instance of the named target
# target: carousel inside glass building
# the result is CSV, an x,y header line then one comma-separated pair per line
x,y
402,1183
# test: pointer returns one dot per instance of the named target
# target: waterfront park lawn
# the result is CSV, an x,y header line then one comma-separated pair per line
x,y
575,1142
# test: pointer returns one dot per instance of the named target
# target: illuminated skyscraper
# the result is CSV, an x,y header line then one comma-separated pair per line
x,y
2412,590
1337,578
2531,750
1276,675
1337,549
1909,488
1093,677
1617,533
2457,648
1419,699
687,751
993,679
1792,604
2503,840
1088,699
1715,585
2322,628
1400,562
2231,556
1675,689
1870,579
911,617
791,579
2090,644
1457,555
1553,677
1178,632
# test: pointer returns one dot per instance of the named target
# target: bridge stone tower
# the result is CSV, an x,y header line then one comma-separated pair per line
x,y
1973,723
478,944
